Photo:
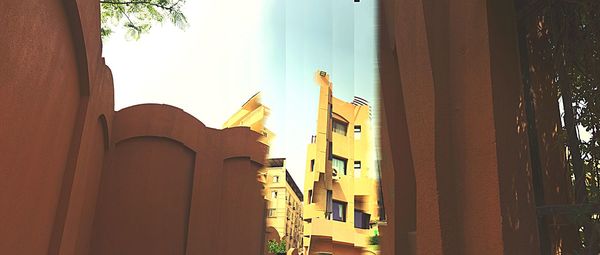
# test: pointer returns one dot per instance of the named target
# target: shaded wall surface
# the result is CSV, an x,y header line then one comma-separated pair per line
x,y
78,178
456,168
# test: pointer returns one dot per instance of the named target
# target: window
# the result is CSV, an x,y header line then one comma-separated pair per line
x,y
339,127
312,165
330,150
310,196
329,206
339,210
271,212
273,194
357,167
357,132
361,219
275,178
339,165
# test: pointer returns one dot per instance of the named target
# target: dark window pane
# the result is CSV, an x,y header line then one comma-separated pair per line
x,y
357,131
329,204
339,210
339,127
361,219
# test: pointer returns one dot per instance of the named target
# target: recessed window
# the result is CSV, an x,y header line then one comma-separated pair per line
x,y
271,212
357,168
275,178
328,205
312,165
339,210
361,219
339,165
339,127
310,196
357,131
273,194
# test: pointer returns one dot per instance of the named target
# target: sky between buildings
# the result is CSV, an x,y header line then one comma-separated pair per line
x,y
235,48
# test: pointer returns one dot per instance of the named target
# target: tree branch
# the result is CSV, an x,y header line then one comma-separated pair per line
x,y
170,8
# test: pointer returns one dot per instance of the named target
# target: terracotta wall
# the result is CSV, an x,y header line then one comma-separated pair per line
x,y
454,130
78,178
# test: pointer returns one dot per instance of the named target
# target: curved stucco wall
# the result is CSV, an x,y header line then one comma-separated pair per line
x,y
78,178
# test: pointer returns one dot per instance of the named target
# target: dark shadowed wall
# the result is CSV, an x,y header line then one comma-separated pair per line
x,y
456,167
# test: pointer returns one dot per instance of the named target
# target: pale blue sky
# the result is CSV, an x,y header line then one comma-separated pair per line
x,y
235,48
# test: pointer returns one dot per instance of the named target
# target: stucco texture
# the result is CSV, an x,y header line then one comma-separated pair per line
x,y
76,177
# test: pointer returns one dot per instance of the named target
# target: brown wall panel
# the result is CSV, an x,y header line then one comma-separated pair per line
x,y
144,201
458,69
242,208
75,238
39,101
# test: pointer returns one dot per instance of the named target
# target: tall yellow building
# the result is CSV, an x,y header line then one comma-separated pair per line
x,y
284,210
340,208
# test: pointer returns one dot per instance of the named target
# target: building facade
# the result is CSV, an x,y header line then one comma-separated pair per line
x,y
252,114
340,209
284,206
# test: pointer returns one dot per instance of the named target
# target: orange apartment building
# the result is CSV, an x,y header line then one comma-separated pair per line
x,y
340,209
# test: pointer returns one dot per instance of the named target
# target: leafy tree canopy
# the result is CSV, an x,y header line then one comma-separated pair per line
x,y
138,16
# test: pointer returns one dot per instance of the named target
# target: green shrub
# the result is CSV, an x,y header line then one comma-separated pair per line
x,y
374,240
276,247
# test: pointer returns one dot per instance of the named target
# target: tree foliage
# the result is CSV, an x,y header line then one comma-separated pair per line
x,y
138,16
276,247
570,45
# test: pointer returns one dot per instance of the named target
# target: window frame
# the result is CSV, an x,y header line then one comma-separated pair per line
x,y
344,205
345,160
330,149
357,131
359,167
335,127
365,221
271,212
